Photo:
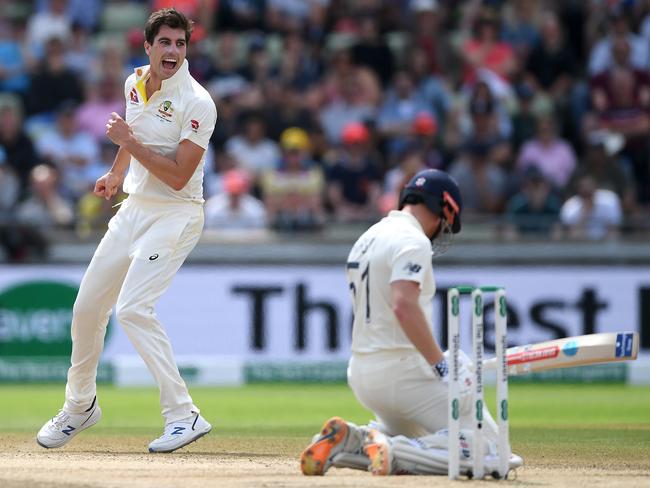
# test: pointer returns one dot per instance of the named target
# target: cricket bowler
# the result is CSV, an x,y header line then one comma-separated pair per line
x,y
162,144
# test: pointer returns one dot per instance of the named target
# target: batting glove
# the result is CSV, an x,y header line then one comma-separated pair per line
x,y
441,369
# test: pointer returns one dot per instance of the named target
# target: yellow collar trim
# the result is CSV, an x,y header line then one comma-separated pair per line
x,y
140,85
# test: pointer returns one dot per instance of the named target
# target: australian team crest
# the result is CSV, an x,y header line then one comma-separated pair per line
x,y
166,110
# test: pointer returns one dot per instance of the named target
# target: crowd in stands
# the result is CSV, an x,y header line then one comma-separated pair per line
x,y
539,109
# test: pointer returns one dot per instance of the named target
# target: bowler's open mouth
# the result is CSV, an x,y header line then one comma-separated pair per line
x,y
169,63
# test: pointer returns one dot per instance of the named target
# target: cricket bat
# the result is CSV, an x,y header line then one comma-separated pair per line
x,y
605,347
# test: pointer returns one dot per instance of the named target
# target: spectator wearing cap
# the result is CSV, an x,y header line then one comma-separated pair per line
x,y
535,210
592,213
400,108
255,152
354,180
19,151
293,191
482,182
552,155
74,152
234,208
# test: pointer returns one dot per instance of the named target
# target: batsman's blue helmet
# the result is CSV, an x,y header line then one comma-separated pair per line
x,y
439,192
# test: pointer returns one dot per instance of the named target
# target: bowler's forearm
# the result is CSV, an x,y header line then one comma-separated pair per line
x,y
122,161
165,169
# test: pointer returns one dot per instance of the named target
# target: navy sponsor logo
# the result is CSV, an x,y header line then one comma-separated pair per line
x,y
412,268
178,430
153,257
624,344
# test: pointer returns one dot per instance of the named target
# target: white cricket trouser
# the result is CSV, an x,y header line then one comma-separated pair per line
x,y
408,399
145,245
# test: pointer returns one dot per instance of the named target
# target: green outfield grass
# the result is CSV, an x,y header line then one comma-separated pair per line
x,y
585,422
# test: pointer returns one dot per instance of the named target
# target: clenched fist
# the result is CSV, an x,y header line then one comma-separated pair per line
x,y
118,130
108,185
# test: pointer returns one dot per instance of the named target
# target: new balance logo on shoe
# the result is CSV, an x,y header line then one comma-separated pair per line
x,y
180,433
64,426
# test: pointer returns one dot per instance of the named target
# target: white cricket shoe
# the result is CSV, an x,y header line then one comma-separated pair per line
x,y
181,433
65,425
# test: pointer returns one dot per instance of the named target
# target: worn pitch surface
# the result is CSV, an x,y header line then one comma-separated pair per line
x,y
573,436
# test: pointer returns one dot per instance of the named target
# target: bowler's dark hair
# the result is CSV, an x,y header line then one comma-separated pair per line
x,y
169,17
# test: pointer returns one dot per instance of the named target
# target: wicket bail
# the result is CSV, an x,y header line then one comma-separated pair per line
x,y
453,325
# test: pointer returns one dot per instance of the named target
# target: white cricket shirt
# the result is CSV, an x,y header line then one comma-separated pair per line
x,y
181,109
395,248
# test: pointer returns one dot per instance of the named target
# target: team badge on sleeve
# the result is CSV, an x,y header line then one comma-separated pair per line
x,y
195,125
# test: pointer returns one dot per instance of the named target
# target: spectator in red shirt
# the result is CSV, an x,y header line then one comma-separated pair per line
x,y
486,51
621,99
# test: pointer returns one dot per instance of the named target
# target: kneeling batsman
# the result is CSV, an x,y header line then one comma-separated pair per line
x,y
397,370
